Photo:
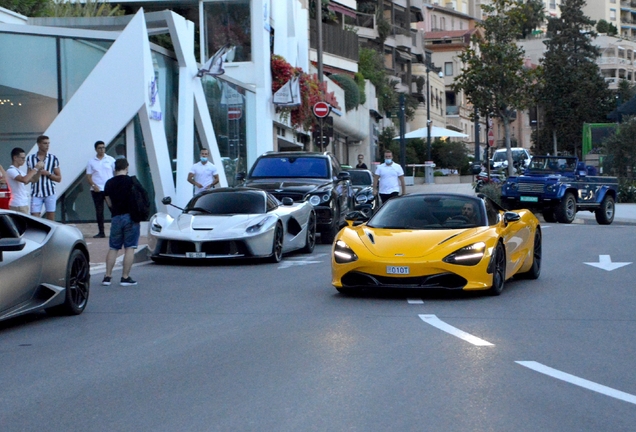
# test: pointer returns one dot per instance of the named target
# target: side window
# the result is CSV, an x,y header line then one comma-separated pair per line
x,y
491,213
335,167
272,204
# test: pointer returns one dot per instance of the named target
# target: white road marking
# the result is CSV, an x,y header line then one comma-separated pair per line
x,y
415,301
554,373
300,261
605,263
436,322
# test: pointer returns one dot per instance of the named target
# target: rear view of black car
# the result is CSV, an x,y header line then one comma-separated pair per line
x,y
306,176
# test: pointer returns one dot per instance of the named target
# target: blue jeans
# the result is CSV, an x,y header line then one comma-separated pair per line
x,y
123,231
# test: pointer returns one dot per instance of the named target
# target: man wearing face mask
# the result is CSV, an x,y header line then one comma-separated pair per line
x,y
203,175
391,178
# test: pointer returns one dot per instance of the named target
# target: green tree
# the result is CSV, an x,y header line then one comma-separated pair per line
x,y
351,90
529,16
450,154
494,78
621,150
572,90
603,26
29,8
625,92
89,8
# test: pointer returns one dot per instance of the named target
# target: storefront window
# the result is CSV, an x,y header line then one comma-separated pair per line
x,y
78,58
229,22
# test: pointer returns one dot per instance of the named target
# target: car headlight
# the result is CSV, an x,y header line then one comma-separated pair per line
x,y
317,199
514,186
258,226
468,255
551,187
343,254
361,199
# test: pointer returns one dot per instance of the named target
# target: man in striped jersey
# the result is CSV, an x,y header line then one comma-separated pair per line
x,y
43,187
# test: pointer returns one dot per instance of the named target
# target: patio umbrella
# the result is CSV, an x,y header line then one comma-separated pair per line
x,y
436,132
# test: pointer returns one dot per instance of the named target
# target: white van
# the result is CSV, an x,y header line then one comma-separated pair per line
x,y
500,158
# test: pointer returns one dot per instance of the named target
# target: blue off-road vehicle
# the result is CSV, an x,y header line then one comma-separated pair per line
x,y
559,186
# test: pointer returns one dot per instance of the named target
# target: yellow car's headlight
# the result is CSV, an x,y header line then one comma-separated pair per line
x,y
468,255
343,253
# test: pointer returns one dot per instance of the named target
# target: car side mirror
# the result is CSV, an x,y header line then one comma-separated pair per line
x,y
166,201
511,217
356,217
11,245
344,175
287,201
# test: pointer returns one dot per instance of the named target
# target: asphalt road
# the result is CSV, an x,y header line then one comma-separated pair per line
x,y
273,347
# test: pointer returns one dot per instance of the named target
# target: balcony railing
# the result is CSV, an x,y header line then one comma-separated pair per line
x,y
452,110
335,41
361,20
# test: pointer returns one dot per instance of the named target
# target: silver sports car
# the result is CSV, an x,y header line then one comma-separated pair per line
x,y
233,223
43,265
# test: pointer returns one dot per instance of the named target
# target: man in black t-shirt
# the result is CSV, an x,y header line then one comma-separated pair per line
x,y
361,164
123,231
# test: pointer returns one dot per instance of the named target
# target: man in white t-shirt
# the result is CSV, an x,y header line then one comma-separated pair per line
x,y
99,170
18,180
391,178
203,175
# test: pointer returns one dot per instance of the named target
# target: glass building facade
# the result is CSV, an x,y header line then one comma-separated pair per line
x,y
40,73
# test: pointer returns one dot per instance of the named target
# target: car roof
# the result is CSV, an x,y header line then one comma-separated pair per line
x,y
296,154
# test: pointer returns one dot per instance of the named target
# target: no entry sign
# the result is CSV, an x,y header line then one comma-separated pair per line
x,y
491,138
234,112
321,109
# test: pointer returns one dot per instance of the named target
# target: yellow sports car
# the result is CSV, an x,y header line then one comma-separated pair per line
x,y
447,241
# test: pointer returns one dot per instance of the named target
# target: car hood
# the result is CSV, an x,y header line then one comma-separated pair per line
x,y
303,186
210,227
389,243
361,189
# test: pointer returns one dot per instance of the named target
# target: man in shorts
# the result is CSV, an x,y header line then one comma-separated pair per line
x,y
123,231
43,188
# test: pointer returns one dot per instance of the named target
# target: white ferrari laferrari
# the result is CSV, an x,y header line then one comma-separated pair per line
x,y
233,223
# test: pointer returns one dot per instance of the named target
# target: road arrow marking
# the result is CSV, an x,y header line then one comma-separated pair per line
x,y
436,322
605,263
590,385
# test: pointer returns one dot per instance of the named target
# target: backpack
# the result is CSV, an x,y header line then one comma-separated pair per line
x,y
140,202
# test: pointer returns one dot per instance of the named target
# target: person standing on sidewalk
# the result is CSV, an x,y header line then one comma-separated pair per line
x,y
203,175
361,164
18,180
43,189
391,178
98,171
123,231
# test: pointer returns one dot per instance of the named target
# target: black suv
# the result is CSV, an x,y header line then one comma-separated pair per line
x,y
305,176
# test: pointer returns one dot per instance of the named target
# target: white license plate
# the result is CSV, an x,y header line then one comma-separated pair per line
x,y
195,254
529,199
401,270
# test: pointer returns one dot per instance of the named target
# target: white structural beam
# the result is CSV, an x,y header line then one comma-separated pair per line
x,y
105,103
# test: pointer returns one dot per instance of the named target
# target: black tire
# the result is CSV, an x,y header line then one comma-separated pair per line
x,y
566,210
78,281
535,270
277,245
548,215
498,271
348,291
327,237
605,214
310,240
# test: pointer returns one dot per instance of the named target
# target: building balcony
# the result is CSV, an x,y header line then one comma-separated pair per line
x,y
335,41
452,110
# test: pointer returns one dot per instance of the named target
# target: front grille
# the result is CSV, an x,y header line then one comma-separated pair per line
x,y
296,196
531,187
442,280
225,247
177,247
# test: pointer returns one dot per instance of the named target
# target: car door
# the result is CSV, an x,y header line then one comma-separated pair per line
x,y
20,270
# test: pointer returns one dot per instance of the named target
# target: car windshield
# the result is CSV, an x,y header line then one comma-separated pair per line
x,y
430,212
227,203
291,167
361,178
499,156
552,164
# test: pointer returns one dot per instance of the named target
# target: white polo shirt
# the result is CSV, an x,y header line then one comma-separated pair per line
x,y
203,174
389,177
19,191
101,169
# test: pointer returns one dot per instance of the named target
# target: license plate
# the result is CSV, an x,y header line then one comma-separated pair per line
x,y
529,199
195,254
400,270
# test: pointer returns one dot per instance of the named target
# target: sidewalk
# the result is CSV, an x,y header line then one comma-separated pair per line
x,y
98,247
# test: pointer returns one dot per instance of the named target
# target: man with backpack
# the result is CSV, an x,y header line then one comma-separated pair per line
x,y
121,194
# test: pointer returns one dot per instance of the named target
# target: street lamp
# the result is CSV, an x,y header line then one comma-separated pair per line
x,y
429,67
